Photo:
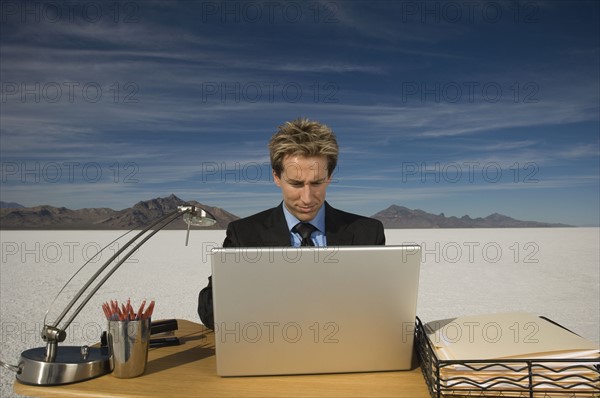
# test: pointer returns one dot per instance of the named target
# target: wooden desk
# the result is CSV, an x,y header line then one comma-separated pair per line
x,y
189,370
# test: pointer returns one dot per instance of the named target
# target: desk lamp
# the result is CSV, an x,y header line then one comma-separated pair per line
x,y
52,365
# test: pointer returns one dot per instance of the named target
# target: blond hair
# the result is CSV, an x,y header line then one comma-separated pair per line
x,y
305,138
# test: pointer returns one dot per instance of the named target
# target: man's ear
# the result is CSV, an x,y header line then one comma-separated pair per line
x,y
276,178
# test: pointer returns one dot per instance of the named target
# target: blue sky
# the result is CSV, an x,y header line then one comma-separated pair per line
x,y
454,107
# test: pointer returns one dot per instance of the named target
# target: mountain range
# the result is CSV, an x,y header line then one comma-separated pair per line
x,y
402,217
138,216
14,217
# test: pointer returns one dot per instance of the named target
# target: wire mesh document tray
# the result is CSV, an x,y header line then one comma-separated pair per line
x,y
534,378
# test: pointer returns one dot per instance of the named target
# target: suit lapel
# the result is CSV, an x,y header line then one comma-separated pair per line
x,y
276,231
336,230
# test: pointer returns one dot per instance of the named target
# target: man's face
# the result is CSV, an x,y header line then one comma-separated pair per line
x,y
303,183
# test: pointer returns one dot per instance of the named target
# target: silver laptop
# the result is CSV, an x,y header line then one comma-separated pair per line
x,y
314,309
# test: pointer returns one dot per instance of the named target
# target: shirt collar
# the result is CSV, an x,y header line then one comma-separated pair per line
x,y
318,221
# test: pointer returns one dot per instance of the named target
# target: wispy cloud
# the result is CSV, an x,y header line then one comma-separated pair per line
x,y
186,94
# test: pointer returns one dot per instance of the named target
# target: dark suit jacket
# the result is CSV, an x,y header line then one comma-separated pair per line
x,y
269,229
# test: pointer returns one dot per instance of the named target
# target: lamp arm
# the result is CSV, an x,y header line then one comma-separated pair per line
x,y
76,312
173,215
39,366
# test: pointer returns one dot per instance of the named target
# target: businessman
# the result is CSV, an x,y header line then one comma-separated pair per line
x,y
303,154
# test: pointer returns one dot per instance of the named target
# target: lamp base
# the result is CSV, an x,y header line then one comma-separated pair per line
x,y
71,365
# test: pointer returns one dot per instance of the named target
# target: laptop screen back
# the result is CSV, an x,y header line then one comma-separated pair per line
x,y
314,309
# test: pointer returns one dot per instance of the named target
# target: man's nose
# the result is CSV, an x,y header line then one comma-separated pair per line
x,y
306,193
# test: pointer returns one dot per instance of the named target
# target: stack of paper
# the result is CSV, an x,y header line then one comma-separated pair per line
x,y
512,353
